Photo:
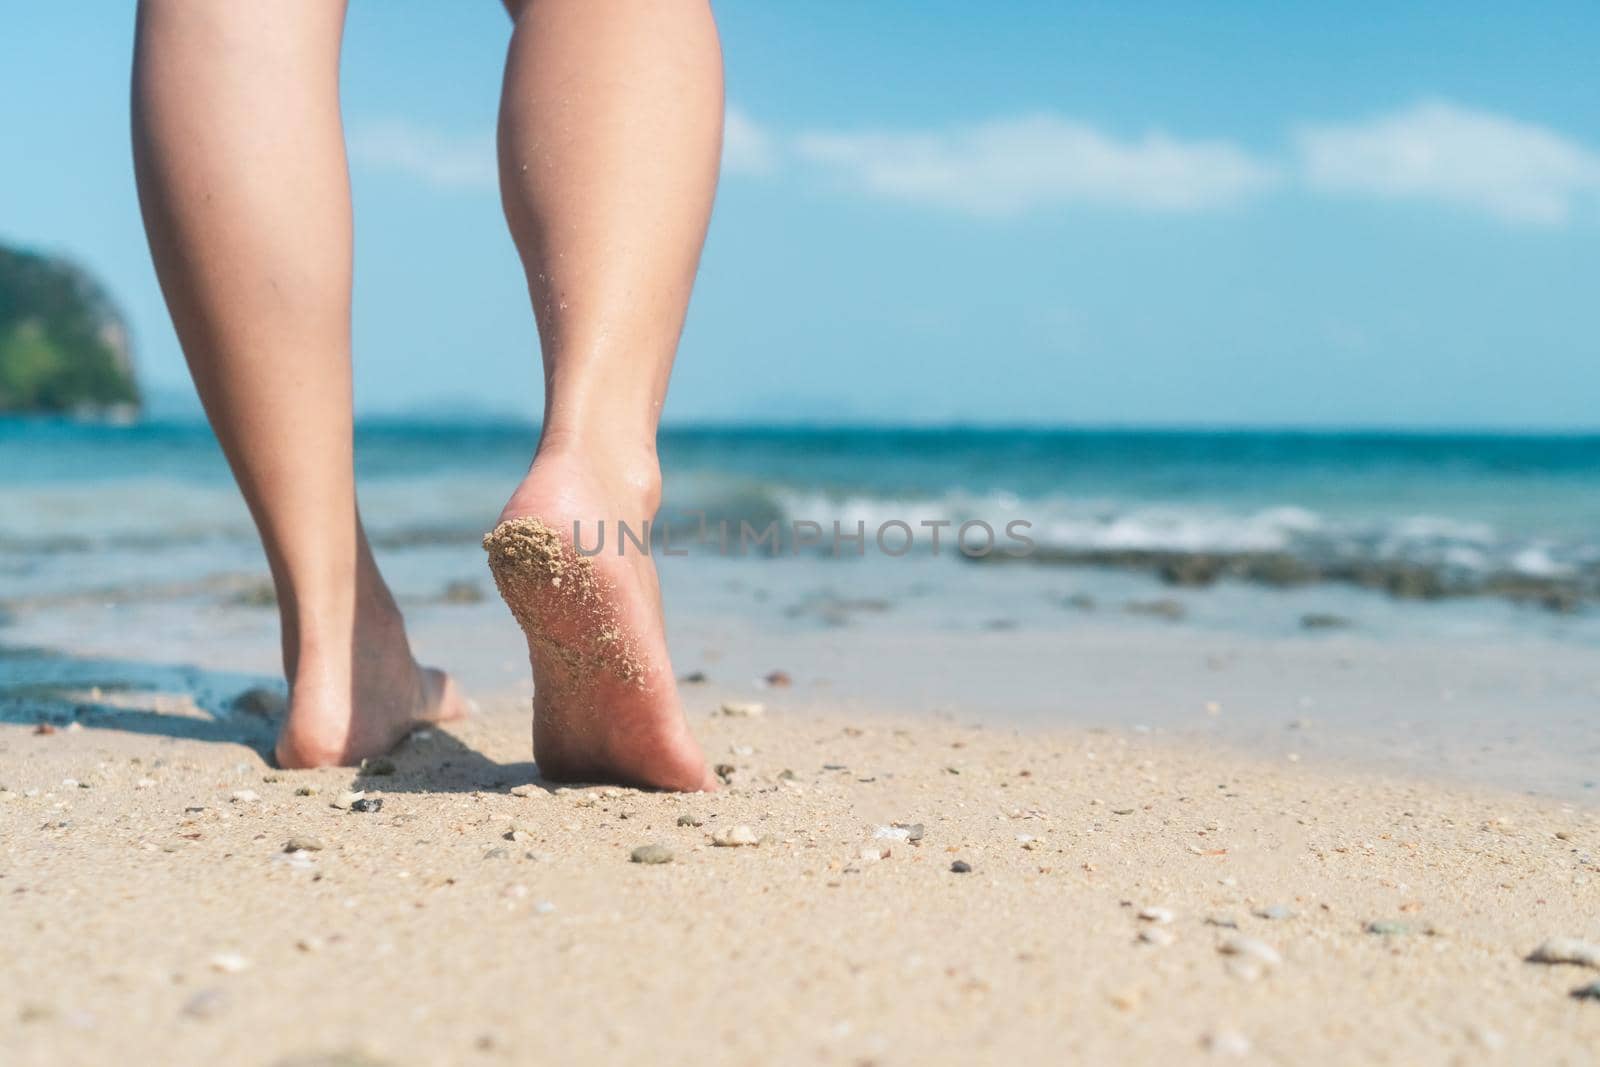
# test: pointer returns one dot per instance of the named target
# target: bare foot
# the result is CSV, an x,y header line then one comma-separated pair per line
x,y
605,705
360,697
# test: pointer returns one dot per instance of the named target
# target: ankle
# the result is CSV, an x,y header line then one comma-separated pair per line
x,y
629,473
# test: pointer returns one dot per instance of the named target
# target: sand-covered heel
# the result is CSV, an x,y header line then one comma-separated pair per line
x,y
564,606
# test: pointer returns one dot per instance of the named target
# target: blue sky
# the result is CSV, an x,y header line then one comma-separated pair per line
x,y
1242,214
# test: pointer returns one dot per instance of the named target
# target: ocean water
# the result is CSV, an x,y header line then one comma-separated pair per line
x,y
1424,601
1424,516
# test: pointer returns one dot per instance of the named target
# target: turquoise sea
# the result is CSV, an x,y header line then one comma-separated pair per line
x,y
1454,515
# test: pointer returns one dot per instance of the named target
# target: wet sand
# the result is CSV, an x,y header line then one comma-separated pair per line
x,y
152,914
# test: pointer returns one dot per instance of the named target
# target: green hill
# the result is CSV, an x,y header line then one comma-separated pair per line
x,y
63,344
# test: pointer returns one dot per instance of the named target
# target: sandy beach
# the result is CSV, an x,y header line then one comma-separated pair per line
x,y
1130,899
1197,827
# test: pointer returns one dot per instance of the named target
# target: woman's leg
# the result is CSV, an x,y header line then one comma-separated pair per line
x,y
239,153
610,138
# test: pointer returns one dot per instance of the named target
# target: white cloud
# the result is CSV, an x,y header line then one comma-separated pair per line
x,y
1517,171
747,147
445,160
1011,166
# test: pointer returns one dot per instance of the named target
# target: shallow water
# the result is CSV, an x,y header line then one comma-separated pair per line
x,y
127,558
86,506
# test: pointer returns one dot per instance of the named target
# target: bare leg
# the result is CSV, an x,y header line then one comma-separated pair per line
x,y
239,153
610,133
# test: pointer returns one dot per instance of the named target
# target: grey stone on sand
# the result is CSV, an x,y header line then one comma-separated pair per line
x,y
367,805
1591,991
961,867
652,853
690,819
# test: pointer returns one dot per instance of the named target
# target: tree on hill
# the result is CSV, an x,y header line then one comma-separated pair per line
x,y
63,344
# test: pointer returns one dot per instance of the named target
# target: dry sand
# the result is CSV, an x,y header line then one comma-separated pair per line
x,y
151,914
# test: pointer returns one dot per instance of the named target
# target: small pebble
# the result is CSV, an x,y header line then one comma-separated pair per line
x,y
244,796
892,833
652,854
741,709
873,853
1275,911
527,789
961,867
347,798
367,804
778,679
735,836
1388,927
1225,1042
144,783
1160,916
303,843
229,963
1588,992
306,791
690,819
1567,950
1250,948
1227,922
205,1004
1493,1040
